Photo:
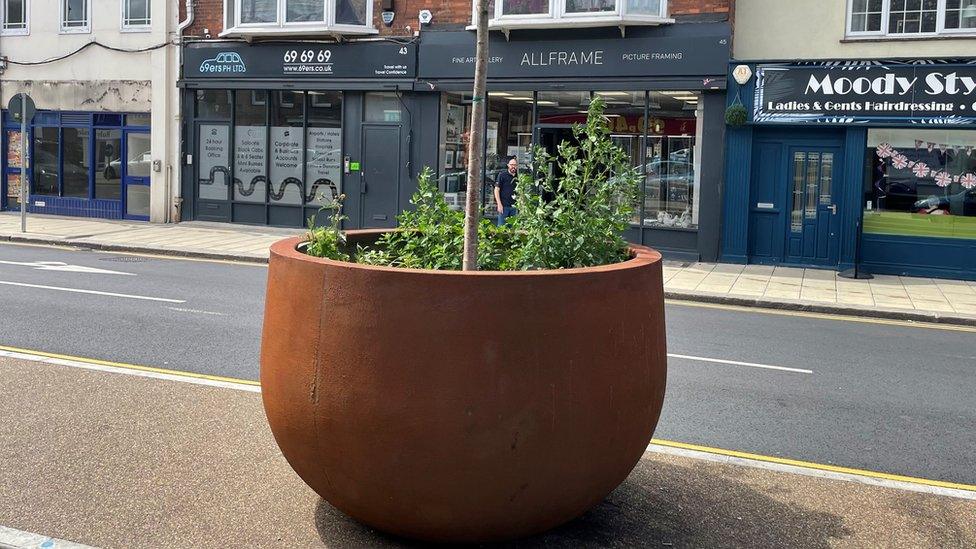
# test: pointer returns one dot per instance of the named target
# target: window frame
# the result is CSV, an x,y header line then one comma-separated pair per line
x,y
4,31
281,26
885,33
559,16
129,27
64,29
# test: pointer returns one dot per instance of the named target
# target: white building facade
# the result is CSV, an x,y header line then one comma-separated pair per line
x,y
105,139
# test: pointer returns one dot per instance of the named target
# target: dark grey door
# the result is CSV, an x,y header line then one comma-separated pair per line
x,y
380,175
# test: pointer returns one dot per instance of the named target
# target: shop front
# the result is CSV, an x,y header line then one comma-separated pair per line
x,y
866,163
274,131
664,92
88,164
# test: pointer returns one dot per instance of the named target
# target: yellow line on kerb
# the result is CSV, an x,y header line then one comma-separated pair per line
x,y
813,465
126,366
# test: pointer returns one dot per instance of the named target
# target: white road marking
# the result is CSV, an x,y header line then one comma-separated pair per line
x,y
11,537
92,292
132,372
196,311
737,363
63,267
794,469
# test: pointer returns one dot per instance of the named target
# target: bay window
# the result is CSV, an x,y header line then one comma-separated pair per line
x,y
298,17
908,18
13,15
508,14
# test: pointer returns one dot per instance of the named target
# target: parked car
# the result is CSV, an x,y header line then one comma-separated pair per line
x,y
139,167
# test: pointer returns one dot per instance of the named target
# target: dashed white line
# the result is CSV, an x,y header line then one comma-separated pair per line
x,y
196,311
92,292
738,363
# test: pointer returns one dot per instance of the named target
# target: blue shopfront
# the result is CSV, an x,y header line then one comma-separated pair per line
x,y
88,164
853,163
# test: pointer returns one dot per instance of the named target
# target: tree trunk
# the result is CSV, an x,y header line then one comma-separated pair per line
x,y
476,143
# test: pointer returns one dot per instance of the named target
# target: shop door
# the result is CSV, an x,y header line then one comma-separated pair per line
x,y
137,152
212,172
813,231
380,173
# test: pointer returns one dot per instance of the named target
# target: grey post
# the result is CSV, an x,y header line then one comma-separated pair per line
x,y
23,165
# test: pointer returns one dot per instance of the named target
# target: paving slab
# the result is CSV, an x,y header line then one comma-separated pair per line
x,y
113,460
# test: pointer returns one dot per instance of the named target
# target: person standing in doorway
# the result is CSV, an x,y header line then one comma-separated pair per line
x,y
505,192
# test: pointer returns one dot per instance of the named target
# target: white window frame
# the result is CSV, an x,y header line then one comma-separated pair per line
x,y
884,32
558,16
86,29
126,27
281,27
3,20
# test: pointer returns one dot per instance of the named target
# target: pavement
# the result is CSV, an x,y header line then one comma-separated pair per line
x,y
895,297
108,459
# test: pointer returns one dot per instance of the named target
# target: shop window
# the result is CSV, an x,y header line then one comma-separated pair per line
x,y
213,104
250,145
454,139
74,158
137,200
383,107
13,149
511,14
671,160
136,14
920,183
299,16
624,112
137,120
108,164
324,143
47,144
213,161
138,154
14,14
75,16
287,147
906,18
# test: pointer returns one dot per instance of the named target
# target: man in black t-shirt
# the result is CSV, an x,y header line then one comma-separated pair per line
x,y
505,191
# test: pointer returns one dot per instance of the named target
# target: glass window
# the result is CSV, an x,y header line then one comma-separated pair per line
x,y
138,147
297,11
866,15
14,15
912,16
351,12
137,120
590,6
323,140
287,147
213,104
960,14
383,107
47,144
508,135
74,15
671,160
108,164
625,115
920,183
137,200
259,11
13,190
74,162
455,135
250,145
525,7
645,7
136,13
213,159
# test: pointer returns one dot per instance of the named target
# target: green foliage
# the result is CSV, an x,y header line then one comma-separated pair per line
x,y
577,219
328,241
573,220
736,115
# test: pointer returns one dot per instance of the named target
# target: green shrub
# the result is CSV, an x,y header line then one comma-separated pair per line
x,y
328,241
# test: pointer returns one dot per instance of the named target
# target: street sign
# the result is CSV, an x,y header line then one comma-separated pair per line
x,y
17,104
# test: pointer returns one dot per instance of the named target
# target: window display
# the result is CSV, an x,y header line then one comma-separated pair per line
x,y
670,162
250,145
920,183
287,147
45,161
324,142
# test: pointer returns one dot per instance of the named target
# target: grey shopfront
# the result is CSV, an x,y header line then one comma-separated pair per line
x,y
274,130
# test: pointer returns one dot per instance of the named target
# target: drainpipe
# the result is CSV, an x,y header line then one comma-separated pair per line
x,y
174,214
189,18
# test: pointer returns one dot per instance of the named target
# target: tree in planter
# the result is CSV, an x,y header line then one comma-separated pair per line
x,y
477,143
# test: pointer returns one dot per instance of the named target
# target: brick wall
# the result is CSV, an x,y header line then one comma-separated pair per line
x,y
447,14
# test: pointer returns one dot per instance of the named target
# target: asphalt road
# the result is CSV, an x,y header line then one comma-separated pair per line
x,y
893,398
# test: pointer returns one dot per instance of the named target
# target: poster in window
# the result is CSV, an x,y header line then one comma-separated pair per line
x,y
324,164
13,149
492,137
214,155
287,144
455,123
449,158
13,187
250,159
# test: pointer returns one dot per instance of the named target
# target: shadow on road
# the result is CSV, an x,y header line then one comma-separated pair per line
x,y
659,505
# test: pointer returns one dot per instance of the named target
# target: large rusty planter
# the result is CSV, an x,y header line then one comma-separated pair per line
x,y
450,406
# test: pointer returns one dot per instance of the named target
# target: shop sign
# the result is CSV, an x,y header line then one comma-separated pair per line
x,y
299,60
685,50
861,92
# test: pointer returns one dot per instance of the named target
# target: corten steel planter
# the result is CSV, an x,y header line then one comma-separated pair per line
x,y
453,406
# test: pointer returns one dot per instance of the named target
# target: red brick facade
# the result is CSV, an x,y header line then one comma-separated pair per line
x,y
447,14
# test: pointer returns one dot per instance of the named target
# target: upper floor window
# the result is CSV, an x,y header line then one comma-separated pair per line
x,y
13,14
299,16
136,14
507,14
75,16
906,18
